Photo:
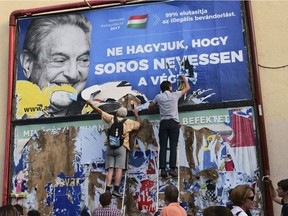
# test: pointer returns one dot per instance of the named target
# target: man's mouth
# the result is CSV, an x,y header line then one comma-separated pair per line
x,y
66,84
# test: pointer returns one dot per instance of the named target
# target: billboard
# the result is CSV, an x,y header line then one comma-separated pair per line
x,y
121,54
59,168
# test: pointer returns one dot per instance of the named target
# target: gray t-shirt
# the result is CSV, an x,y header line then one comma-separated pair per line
x,y
168,104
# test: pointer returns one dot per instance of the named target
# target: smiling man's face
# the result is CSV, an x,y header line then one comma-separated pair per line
x,y
63,59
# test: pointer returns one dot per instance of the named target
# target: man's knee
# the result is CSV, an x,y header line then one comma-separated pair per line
x,y
118,170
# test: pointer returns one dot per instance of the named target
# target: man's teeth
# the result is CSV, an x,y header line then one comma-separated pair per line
x,y
65,84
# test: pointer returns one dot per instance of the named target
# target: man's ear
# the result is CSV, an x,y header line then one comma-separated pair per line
x,y
27,63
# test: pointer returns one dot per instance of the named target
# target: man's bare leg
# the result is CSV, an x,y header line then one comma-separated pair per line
x,y
118,177
109,178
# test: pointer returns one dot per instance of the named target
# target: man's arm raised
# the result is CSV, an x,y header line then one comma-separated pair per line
x,y
186,84
98,110
137,117
273,192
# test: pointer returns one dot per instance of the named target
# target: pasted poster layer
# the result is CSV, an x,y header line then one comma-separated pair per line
x,y
59,168
129,50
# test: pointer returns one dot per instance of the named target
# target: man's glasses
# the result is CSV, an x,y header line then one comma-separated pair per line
x,y
251,198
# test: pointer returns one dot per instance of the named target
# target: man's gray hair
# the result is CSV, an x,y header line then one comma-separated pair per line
x,y
39,28
122,112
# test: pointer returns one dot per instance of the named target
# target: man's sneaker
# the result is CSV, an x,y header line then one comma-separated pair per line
x,y
163,173
173,173
116,193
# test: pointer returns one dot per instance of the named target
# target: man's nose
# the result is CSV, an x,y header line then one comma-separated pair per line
x,y
72,70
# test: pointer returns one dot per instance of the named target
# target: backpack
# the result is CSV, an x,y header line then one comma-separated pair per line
x,y
115,133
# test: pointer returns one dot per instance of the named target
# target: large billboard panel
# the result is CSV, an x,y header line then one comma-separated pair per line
x,y
107,54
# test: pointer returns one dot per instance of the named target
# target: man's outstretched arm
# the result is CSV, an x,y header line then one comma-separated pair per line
x,y
98,110
186,84
137,117
273,192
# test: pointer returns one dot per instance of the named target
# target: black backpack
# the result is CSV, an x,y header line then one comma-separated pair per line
x,y
115,133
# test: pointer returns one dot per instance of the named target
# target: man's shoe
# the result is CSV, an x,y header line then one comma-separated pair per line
x,y
163,173
116,194
173,173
